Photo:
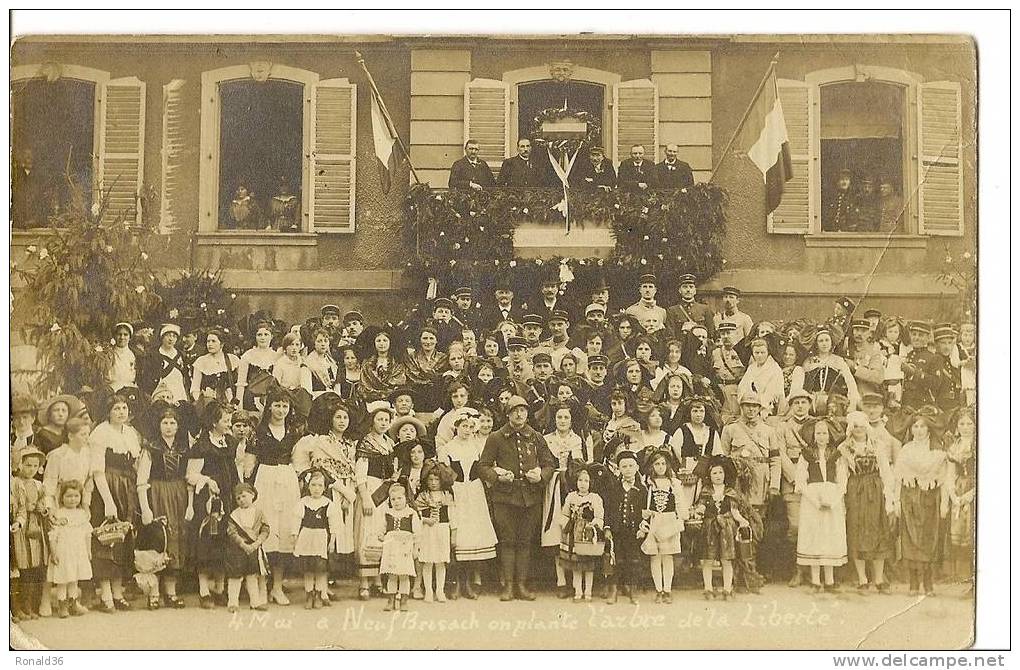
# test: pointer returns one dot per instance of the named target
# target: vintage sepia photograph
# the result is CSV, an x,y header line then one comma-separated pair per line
x,y
493,339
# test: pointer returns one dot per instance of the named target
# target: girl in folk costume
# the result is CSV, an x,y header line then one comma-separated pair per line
x,y
29,517
826,373
255,367
869,501
320,363
166,366
318,520
620,421
163,493
290,370
114,446
565,445
399,527
214,374
412,450
242,427
921,478
664,518
962,489
272,445
635,381
821,481
652,438
670,392
438,536
384,369
244,556
583,517
718,507
212,472
793,373
348,383
625,500
328,448
693,444
893,338
476,536
70,538
764,377
374,470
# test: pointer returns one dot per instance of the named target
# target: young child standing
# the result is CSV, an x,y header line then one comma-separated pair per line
x,y
721,516
438,534
28,548
317,520
665,518
400,527
70,549
245,558
583,519
625,499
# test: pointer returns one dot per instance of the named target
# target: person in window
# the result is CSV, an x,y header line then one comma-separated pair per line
x,y
890,207
245,212
28,192
595,173
673,173
285,208
866,210
838,211
637,174
471,172
522,170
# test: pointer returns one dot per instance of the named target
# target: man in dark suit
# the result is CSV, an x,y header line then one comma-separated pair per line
x,y
637,174
548,301
522,170
595,172
471,172
673,172
504,309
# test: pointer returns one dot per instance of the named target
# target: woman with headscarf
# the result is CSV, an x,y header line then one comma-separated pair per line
x,y
764,377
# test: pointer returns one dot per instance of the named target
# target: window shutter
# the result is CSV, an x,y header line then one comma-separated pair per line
x,y
121,145
334,137
635,119
174,183
940,172
797,208
487,119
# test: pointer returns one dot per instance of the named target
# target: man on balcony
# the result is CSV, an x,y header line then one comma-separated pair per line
x,y
674,173
471,172
594,173
522,170
636,174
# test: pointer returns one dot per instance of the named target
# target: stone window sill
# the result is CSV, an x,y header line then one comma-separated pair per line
x,y
255,238
864,240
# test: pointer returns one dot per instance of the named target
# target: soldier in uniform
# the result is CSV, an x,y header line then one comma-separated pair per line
x,y
672,172
688,312
531,329
839,209
447,330
594,323
842,315
636,174
729,368
789,429
731,312
646,308
522,170
926,379
874,317
866,208
595,173
354,325
463,312
471,172
950,396
598,391
516,464
557,344
866,361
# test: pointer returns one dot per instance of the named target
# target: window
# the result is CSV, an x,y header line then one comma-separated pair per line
x,y
875,151
75,130
278,151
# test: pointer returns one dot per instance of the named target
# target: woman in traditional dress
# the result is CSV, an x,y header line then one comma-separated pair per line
x,y
476,537
114,446
962,489
214,374
384,370
793,373
423,370
374,470
290,370
321,365
921,478
869,501
348,383
256,364
826,373
821,481
693,444
566,446
764,377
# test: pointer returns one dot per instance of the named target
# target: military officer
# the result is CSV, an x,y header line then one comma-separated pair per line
x,y
729,369
463,312
925,378
516,464
557,344
731,313
646,308
688,312
867,363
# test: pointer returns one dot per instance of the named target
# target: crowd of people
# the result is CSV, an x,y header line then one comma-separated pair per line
x,y
482,444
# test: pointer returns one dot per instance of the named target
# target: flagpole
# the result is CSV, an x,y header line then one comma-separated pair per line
x,y
386,115
747,112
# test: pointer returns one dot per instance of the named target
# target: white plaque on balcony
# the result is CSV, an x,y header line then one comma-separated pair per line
x,y
545,240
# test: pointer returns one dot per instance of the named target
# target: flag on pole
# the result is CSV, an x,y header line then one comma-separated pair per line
x,y
384,141
763,136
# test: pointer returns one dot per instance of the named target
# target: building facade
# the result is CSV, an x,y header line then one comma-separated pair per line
x,y
255,155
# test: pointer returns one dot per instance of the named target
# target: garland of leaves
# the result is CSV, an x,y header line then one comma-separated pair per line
x,y
592,135
196,302
466,237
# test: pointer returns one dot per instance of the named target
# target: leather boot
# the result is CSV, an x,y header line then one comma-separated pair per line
x,y
522,560
507,561
611,594
467,589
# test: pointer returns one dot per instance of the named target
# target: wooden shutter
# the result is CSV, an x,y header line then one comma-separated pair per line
x,y
334,137
487,119
635,119
797,208
121,145
940,168
174,183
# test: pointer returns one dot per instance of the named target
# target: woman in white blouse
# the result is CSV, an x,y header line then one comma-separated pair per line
x,y
214,374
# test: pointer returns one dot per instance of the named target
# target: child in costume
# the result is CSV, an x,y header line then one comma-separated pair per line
x,y
624,501
70,549
401,525
245,558
664,517
28,546
438,535
583,518
718,505
318,520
